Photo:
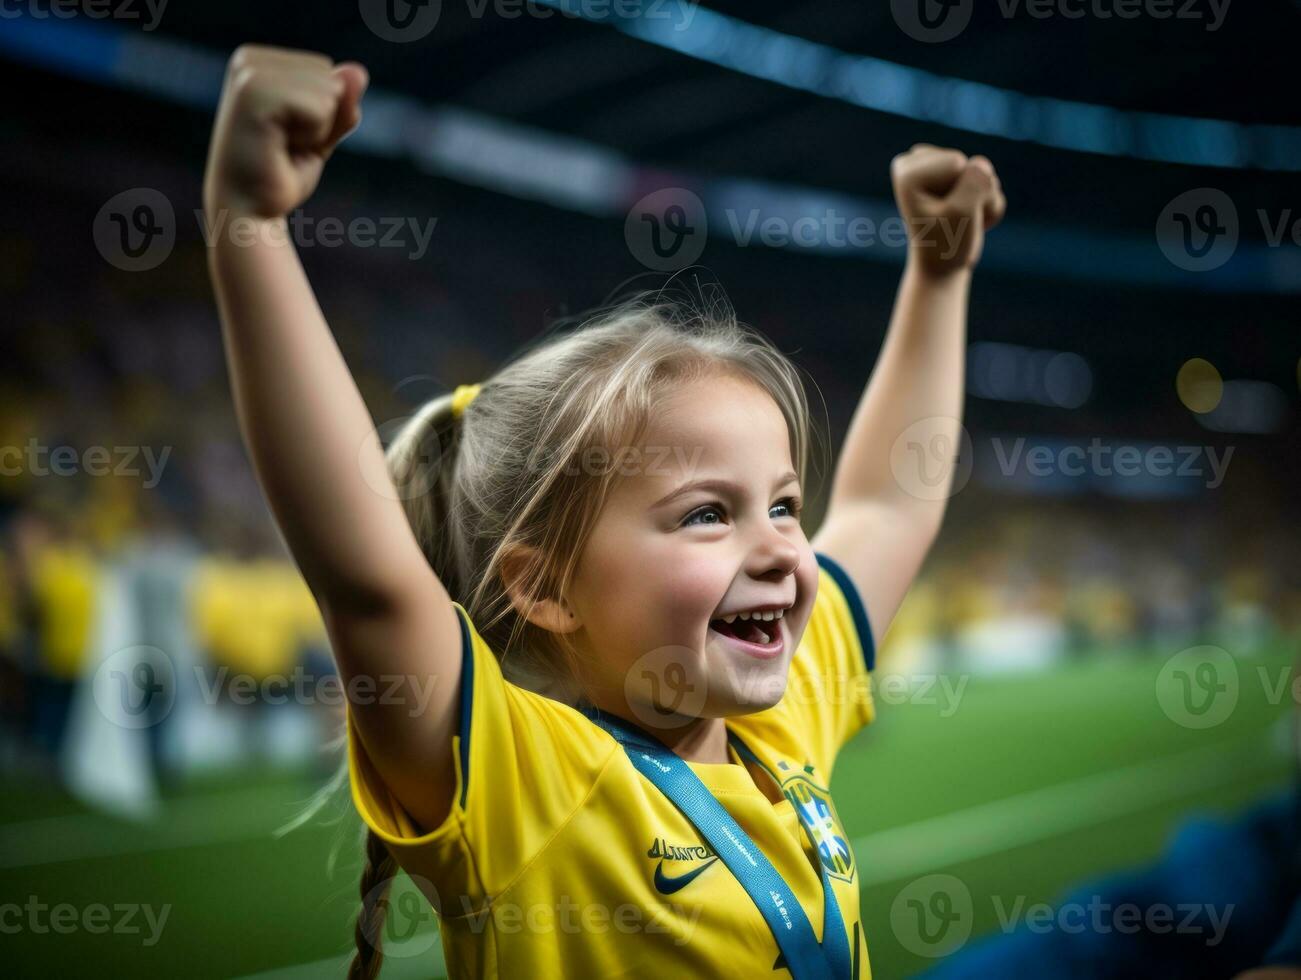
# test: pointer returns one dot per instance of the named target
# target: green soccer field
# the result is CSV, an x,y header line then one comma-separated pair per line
x,y
1021,787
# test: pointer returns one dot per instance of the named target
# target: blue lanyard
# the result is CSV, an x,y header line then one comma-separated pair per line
x,y
805,956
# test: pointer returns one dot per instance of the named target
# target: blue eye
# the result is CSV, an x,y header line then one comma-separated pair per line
x,y
701,510
792,504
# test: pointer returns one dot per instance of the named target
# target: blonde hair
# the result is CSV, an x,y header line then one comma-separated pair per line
x,y
503,482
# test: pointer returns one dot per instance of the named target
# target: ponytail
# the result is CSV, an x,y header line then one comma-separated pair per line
x,y
376,882
421,462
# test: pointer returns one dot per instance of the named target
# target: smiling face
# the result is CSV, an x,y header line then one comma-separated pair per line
x,y
704,525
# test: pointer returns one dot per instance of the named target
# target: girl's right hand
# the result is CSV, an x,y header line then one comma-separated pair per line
x,y
282,112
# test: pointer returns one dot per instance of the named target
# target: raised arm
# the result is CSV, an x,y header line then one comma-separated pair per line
x,y
309,434
895,469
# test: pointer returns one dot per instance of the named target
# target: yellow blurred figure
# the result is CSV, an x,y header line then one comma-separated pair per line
x,y
1107,612
112,511
65,586
250,616
278,612
971,602
1247,585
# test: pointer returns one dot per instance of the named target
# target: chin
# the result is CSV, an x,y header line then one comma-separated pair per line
x,y
765,691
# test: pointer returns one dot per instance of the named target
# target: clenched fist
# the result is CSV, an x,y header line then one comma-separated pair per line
x,y
949,201
281,115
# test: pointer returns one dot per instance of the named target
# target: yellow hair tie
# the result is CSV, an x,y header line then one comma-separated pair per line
x,y
462,397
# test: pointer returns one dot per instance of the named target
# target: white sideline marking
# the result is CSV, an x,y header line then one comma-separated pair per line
x,y
187,822
989,828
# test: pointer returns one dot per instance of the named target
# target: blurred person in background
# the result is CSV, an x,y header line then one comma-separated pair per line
x,y
157,561
62,577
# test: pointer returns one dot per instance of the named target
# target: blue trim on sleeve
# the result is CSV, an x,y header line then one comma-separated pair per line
x,y
467,698
856,608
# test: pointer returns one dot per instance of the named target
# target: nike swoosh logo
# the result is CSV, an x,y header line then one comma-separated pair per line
x,y
667,886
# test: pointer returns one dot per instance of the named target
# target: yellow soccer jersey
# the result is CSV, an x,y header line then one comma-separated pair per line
x,y
559,859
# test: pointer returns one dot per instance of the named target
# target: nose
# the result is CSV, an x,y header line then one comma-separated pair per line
x,y
775,556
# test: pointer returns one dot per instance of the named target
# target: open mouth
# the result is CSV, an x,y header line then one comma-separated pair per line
x,y
756,637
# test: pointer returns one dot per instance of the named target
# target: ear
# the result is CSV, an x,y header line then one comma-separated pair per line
x,y
552,614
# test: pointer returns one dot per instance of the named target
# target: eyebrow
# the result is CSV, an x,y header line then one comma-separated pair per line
x,y
718,486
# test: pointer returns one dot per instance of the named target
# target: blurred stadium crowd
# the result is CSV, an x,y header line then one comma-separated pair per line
x,y
1038,581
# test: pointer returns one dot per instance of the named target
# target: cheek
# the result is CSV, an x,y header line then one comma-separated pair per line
x,y
649,586
693,589
662,575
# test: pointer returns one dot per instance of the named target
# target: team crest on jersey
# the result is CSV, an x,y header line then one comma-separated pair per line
x,y
818,814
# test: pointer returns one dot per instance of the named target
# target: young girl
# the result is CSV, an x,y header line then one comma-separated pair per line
x,y
606,675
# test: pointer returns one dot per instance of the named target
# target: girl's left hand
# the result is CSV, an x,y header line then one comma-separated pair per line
x,y
949,201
